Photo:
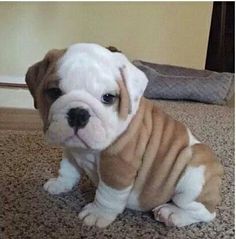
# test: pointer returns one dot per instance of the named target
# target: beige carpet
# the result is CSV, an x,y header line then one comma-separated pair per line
x,y
26,162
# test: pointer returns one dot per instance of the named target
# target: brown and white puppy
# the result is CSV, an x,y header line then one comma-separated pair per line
x,y
91,103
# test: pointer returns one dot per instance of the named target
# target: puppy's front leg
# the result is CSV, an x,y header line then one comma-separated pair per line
x,y
108,203
69,175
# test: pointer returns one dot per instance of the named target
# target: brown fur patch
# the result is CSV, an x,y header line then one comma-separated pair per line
x,y
124,104
210,194
163,162
41,76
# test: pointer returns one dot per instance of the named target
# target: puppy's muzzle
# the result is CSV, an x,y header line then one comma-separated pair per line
x,y
78,118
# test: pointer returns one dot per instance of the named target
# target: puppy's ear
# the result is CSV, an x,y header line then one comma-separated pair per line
x,y
134,80
113,49
36,73
33,77
125,104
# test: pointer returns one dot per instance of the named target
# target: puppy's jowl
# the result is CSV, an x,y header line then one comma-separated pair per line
x,y
90,100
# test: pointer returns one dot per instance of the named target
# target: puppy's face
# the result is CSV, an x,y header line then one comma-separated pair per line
x,y
86,95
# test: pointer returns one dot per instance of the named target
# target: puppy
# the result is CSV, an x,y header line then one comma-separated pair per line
x,y
90,100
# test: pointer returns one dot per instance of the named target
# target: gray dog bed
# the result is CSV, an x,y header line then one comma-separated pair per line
x,y
179,83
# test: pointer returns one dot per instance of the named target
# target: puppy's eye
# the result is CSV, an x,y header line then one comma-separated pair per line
x,y
108,99
53,93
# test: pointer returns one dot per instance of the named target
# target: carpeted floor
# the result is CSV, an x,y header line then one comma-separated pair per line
x,y
26,162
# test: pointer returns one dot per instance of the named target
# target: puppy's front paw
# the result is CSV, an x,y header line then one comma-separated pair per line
x,y
57,186
93,215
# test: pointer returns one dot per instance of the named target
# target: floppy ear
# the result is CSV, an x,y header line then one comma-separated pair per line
x,y
37,72
125,105
33,77
133,79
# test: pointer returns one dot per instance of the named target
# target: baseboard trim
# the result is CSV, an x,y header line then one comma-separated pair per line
x,y
13,85
9,81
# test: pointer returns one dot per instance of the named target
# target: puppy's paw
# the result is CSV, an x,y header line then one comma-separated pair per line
x,y
171,215
57,186
93,215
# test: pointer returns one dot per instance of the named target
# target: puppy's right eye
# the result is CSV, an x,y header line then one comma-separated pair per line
x,y
53,93
108,99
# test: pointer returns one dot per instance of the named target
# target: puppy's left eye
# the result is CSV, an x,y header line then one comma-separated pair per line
x,y
108,99
53,93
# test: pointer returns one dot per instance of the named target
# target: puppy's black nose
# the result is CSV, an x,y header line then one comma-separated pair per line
x,y
78,118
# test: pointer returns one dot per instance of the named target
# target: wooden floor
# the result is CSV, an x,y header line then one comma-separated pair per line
x,y
19,119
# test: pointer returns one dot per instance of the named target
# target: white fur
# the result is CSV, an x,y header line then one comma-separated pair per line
x,y
185,210
108,203
189,186
68,176
133,202
86,72
192,138
139,79
88,161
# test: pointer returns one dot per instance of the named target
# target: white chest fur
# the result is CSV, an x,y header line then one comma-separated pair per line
x,y
88,162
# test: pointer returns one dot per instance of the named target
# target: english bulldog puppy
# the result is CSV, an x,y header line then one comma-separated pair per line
x,y
91,103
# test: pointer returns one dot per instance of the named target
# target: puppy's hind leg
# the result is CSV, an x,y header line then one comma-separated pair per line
x,y
68,176
184,210
173,215
197,192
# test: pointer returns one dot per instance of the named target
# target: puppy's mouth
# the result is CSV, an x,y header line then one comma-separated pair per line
x,y
75,136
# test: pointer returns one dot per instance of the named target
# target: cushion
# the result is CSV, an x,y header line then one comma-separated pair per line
x,y
179,83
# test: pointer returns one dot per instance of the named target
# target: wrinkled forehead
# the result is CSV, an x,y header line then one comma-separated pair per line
x,y
90,68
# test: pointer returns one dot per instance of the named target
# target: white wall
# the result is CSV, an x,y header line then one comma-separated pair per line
x,y
171,33
163,32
